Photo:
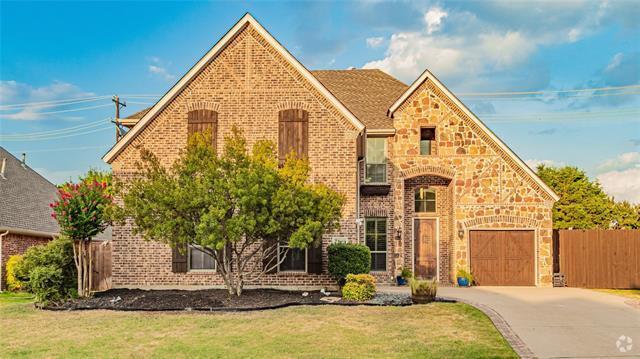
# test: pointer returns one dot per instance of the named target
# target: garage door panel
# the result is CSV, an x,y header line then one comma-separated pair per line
x,y
502,257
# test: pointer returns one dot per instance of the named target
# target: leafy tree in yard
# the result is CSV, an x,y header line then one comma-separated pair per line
x,y
82,212
237,207
583,204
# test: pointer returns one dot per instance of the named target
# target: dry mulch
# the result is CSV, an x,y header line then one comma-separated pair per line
x,y
213,300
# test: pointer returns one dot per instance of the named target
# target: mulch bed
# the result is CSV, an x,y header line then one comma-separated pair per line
x,y
215,300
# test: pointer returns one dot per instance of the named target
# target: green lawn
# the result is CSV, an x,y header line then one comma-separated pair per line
x,y
436,330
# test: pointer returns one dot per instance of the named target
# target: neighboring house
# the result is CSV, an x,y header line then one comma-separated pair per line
x,y
428,186
25,215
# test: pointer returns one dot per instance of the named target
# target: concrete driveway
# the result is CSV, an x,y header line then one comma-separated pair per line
x,y
561,322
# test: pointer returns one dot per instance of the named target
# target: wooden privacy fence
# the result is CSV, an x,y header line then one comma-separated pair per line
x,y
101,251
598,258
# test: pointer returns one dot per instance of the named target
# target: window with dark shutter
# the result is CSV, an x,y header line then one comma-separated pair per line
x,y
427,137
293,133
179,257
205,122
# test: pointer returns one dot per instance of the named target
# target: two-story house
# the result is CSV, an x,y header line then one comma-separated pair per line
x,y
428,186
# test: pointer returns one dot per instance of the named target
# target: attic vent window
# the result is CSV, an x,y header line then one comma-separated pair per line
x,y
427,136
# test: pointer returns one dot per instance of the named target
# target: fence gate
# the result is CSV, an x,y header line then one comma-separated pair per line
x,y
598,258
101,251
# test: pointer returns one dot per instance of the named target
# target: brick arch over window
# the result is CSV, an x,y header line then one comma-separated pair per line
x,y
293,133
501,219
203,105
288,105
428,170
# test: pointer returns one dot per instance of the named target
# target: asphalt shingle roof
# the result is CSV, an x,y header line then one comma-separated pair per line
x,y
368,94
25,196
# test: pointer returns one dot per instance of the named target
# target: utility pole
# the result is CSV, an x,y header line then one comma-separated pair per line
x,y
115,99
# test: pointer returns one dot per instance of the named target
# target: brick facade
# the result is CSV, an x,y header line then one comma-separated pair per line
x,y
477,184
13,244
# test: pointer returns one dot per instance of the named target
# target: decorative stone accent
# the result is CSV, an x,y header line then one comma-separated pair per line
x,y
202,105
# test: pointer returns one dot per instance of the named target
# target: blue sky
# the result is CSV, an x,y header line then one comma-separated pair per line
x,y
56,51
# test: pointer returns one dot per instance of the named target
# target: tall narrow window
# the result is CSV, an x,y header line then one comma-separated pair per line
x,y
376,239
376,161
427,137
293,133
200,260
293,259
205,122
425,200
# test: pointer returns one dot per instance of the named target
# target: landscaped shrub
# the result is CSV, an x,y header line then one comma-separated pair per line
x,y
464,274
48,271
359,287
423,291
347,258
13,283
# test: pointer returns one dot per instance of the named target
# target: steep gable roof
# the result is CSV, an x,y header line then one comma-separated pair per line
x,y
246,20
426,75
24,198
367,93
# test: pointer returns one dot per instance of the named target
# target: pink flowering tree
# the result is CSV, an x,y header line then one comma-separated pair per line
x,y
82,212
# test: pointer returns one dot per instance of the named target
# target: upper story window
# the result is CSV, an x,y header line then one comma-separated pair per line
x,y
293,133
204,122
425,200
427,137
376,160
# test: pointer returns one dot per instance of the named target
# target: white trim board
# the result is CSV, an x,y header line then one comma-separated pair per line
x,y
428,75
246,20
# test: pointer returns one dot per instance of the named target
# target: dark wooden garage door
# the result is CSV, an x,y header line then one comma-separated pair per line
x,y
502,257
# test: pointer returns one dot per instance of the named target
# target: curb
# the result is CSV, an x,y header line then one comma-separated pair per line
x,y
518,345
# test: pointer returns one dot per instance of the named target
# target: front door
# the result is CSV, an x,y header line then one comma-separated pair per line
x,y
425,248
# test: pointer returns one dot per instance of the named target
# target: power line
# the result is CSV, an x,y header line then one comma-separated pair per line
x,y
68,110
84,99
56,137
611,88
623,111
63,149
58,131
13,108
535,98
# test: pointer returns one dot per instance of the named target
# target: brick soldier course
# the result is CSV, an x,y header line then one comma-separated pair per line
x,y
248,78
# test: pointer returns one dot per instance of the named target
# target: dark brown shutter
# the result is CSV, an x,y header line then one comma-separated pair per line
x,y
179,259
269,261
293,133
360,146
314,258
204,121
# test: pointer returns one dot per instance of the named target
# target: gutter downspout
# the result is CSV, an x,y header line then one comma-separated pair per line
x,y
358,162
1,261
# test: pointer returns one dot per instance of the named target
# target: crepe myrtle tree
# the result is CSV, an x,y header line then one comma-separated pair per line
x,y
238,206
82,212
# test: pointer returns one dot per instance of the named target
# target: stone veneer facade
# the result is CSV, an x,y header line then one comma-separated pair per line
x,y
477,184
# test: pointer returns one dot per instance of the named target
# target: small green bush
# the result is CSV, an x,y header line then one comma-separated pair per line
x,y
48,271
464,274
406,273
13,283
423,291
348,258
359,287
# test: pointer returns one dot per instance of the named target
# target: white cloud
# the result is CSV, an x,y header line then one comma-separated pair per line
x,y
615,62
159,68
374,42
482,43
434,18
623,161
533,164
622,185
13,93
59,176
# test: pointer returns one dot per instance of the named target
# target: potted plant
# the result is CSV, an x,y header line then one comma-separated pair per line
x,y
423,291
404,276
465,279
